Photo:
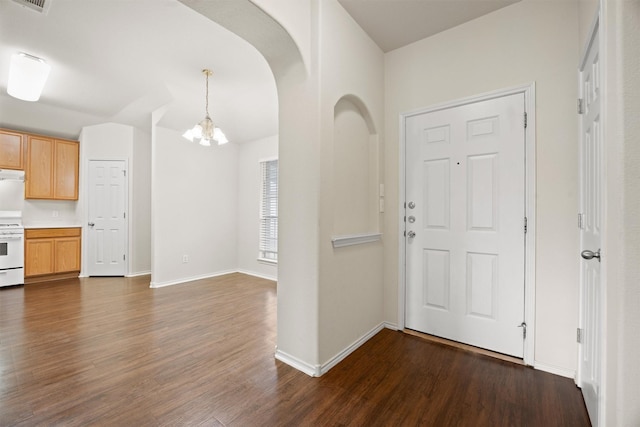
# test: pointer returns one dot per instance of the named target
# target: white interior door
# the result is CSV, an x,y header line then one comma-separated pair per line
x,y
590,230
465,194
107,218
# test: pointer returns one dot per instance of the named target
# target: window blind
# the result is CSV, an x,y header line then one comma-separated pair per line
x,y
269,211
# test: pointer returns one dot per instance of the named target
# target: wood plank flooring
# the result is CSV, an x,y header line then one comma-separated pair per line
x,y
111,351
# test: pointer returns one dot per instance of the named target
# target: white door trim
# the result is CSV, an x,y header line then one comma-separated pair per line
x,y
85,214
530,204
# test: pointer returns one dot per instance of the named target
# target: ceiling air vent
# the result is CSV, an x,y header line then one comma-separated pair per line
x,y
41,6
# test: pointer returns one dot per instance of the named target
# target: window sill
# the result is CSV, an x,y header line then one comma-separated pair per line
x,y
267,261
355,239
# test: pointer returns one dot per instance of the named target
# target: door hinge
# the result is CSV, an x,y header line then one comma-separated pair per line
x,y
580,221
124,214
580,106
124,257
124,172
523,325
525,120
579,336
526,224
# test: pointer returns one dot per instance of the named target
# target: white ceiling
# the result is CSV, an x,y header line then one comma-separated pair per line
x,y
118,60
396,23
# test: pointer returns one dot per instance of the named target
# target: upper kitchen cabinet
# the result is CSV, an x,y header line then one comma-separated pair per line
x,y
51,168
11,150
65,171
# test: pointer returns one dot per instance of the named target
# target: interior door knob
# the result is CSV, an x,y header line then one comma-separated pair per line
x,y
587,254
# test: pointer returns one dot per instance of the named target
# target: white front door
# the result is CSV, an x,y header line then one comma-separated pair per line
x,y
107,218
591,178
465,196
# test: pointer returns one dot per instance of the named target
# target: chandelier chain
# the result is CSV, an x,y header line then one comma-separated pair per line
x,y
207,72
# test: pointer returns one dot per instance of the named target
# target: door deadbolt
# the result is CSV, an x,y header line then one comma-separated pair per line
x,y
411,219
411,205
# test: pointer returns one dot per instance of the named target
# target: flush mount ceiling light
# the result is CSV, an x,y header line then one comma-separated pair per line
x,y
27,76
205,132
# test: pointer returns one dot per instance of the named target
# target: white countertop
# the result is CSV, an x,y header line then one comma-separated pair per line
x,y
31,225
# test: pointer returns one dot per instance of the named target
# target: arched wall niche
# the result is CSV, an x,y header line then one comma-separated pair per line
x,y
355,169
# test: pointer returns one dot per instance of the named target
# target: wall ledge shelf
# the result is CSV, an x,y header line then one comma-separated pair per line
x,y
355,239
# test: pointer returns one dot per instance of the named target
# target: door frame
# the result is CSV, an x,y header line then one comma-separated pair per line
x,y
529,92
85,214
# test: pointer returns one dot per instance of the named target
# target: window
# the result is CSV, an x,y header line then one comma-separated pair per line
x,y
269,212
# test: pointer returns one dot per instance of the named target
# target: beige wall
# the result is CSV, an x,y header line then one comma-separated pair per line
x,y
629,348
194,209
522,43
250,154
140,173
621,382
350,288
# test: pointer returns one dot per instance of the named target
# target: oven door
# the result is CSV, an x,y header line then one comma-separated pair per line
x,y
11,251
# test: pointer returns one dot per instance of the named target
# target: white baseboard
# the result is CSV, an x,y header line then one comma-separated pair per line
x,y
262,276
318,370
568,373
189,279
139,273
389,325
325,367
294,362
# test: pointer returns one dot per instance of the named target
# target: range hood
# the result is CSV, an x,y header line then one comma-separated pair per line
x,y
11,175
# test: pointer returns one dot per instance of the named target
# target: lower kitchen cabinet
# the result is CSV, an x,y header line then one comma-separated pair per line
x,y
51,254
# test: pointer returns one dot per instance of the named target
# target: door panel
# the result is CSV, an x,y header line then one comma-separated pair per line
x,y
465,265
107,213
591,231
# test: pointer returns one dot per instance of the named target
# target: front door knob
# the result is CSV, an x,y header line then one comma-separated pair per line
x,y
587,254
411,234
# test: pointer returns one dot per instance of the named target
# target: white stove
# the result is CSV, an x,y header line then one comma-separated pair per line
x,y
11,248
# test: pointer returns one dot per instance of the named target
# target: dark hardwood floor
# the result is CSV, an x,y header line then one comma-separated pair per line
x,y
114,352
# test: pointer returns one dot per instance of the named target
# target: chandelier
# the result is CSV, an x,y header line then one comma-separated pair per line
x,y
205,132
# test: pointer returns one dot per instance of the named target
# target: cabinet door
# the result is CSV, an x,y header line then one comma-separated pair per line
x,y
11,150
39,257
39,173
67,254
66,170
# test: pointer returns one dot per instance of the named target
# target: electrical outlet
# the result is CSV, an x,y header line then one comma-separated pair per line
x,y
185,259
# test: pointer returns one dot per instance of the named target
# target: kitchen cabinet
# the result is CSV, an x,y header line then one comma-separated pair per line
x,y
11,149
51,253
51,168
